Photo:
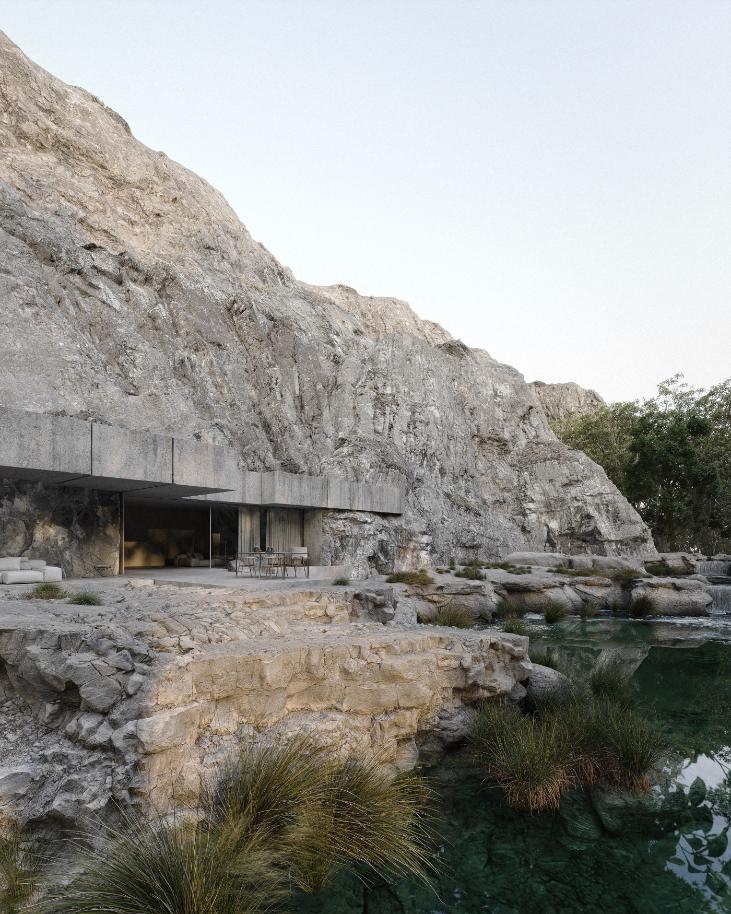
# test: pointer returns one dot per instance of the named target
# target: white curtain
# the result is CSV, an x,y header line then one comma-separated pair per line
x,y
248,529
284,529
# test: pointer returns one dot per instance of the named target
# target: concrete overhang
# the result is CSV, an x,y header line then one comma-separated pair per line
x,y
63,450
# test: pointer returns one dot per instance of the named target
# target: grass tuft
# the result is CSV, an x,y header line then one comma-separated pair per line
x,y
86,598
46,591
514,626
554,612
454,615
510,609
421,577
341,582
588,610
612,683
19,867
471,572
642,607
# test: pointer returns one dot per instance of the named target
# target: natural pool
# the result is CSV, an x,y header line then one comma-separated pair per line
x,y
666,854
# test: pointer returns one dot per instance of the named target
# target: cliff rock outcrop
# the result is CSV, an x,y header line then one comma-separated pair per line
x,y
131,292
559,401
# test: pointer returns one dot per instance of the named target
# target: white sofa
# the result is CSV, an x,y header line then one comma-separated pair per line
x,y
19,570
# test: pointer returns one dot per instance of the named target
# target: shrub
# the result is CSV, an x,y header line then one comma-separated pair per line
x,y
612,683
589,610
454,615
642,606
452,564
514,626
554,612
442,570
420,577
632,744
46,591
530,758
341,582
510,609
86,598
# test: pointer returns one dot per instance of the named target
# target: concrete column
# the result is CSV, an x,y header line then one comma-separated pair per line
x,y
313,535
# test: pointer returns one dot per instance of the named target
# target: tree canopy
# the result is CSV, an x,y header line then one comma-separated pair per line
x,y
670,456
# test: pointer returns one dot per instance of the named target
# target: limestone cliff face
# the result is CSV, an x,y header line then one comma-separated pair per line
x,y
559,401
131,292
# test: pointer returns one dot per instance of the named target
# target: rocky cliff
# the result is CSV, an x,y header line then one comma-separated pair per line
x,y
559,401
131,292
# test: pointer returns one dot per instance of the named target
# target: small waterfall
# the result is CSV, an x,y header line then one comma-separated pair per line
x,y
721,594
713,567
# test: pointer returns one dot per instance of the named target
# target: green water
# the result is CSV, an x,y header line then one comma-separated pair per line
x,y
668,853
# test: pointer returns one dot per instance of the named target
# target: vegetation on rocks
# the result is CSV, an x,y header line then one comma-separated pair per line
x,y
642,606
514,626
554,612
46,591
454,615
341,582
510,609
86,598
420,578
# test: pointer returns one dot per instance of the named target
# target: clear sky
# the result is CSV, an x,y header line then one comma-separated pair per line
x,y
549,180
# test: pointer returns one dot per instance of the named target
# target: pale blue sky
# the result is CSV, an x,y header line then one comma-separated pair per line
x,y
548,180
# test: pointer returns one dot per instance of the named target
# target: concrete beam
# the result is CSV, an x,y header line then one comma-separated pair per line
x,y
44,447
293,489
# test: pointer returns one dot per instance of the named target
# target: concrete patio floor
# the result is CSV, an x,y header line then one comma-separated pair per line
x,y
320,576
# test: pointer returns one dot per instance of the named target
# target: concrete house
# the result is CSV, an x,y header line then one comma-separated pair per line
x,y
100,499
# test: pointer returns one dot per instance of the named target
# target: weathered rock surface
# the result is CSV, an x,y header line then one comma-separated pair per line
x,y
559,401
152,307
142,699
545,684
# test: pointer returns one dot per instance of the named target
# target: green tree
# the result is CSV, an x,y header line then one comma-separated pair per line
x,y
671,457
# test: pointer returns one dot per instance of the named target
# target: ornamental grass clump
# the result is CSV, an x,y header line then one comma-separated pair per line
x,y
514,626
642,607
282,817
612,683
554,612
46,591
632,745
530,758
421,577
454,615
571,739
318,814
153,867
471,572
510,609
86,598
18,872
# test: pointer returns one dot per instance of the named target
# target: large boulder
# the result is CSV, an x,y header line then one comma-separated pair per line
x,y
673,596
545,684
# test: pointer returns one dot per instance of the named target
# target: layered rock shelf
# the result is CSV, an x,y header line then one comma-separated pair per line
x,y
143,699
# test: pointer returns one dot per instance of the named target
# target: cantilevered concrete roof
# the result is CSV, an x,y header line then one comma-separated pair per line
x,y
63,450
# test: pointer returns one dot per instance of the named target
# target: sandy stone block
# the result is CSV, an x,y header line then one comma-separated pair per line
x,y
167,729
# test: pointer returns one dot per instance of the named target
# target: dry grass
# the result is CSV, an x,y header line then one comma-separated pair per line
x,y
454,615
421,577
